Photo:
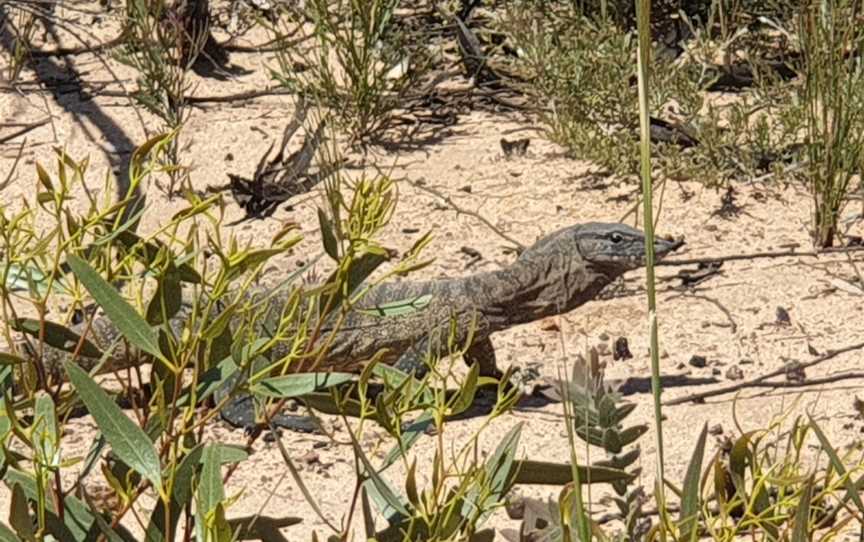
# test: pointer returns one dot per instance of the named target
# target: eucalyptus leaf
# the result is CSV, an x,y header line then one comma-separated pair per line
x,y
121,314
211,492
296,385
128,441
57,336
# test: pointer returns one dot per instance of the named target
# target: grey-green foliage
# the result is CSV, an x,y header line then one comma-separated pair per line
x,y
831,37
582,71
598,419
361,62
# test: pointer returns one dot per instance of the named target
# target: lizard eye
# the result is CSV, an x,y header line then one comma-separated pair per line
x,y
616,237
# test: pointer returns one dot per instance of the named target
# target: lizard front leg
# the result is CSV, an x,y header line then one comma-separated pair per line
x,y
482,352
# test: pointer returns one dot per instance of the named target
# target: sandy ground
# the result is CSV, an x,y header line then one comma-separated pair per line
x,y
730,319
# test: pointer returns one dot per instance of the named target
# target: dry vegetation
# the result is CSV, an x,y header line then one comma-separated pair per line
x,y
734,94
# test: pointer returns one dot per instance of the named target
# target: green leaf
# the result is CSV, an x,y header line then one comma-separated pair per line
x,y
359,270
45,430
167,299
128,441
251,259
147,252
44,178
5,424
541,472
852,492
409,436
10,359
801,528
500,476
7,535
467,392
19,515
295,474
57,336
110,534
400,307
121,314
210,489
20,278
331,246
394,506
295,385
77,519
690,504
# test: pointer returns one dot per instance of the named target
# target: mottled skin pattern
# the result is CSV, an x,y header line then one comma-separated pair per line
x,y
557,274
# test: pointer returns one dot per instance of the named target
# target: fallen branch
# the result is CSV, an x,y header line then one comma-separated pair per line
x,y
762,380
812,381
228,98
760,255
24,130
519,246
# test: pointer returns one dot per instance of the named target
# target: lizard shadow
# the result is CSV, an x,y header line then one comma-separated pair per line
x,y
548,396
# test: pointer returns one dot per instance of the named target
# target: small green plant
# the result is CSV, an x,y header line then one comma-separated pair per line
x,y
584,69
361,62
830,32
161,49
786,482
22,24
596,414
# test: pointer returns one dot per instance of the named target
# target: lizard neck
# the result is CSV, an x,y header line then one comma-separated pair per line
x,y
534,288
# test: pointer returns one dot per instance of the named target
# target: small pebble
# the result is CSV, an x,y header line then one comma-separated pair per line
x,y
734,373
698,361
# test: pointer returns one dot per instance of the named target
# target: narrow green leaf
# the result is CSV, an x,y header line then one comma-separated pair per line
x,y
295,474
10,359
465,398
690,504
7,535
394,502
77,520
252,259
110,534
19,515
57,336
801,528
210,489
500,476
44,178
147,251
295,385
540,472
408,438
358,272
128,441
20,278
121,314
331,246
167,299
45,429
837,464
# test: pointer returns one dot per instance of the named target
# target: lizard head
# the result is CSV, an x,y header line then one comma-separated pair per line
x,y
616,248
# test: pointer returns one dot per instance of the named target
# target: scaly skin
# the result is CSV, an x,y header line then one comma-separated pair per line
x,y
557,274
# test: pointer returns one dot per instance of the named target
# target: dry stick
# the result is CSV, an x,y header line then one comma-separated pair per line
x,y
277,91
520,247
24,130
759,255
811,382
762,380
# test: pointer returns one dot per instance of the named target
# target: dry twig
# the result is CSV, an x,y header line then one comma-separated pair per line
x,y
763,380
